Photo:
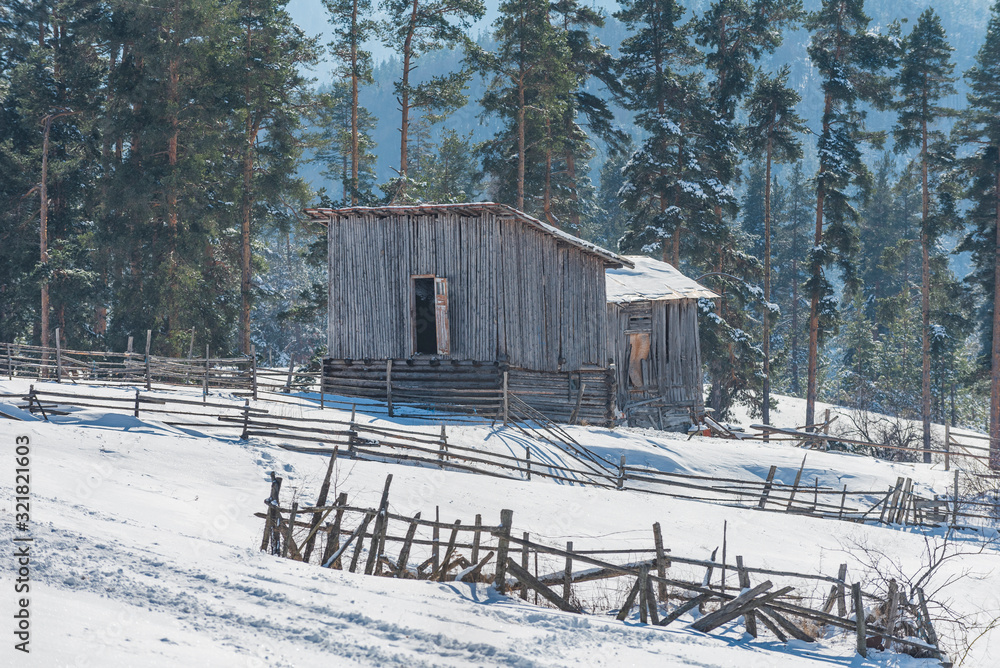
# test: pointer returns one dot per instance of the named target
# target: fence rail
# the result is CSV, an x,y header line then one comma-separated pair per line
x,y
426,446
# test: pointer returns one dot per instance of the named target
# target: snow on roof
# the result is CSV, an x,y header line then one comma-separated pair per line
x,y
470,209
652,280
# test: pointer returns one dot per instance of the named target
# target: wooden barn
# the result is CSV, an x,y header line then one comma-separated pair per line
x,y
653,322
474,305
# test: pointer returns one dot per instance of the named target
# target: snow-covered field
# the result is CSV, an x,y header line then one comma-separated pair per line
x,y
145,553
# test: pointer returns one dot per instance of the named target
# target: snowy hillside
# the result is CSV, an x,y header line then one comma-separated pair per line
x,y
146,551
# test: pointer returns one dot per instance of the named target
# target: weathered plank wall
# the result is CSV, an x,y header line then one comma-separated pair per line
x,y
516,294
672,378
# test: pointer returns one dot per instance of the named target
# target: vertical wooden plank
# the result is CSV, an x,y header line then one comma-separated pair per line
x,y
503,543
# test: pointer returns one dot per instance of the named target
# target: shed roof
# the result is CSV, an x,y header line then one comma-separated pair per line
x,y
652,280
471,209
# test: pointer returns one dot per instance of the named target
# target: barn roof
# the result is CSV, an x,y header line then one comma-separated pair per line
x,y
471,209
652,280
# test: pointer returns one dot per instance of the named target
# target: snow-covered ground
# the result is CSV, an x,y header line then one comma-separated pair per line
x,y
145,552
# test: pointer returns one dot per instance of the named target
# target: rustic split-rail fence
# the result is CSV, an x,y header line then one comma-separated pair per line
x,y
661,584
430,446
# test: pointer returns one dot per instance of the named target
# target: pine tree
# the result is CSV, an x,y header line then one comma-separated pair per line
x,y
925,78
354,64
531,83
851,60
451,172
771,132
345,146
49,92
980,128
792,219
269,92
413,29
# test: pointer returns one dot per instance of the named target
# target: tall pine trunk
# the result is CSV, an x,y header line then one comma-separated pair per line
x,y
404,102
995,357
925,300
766,408
817,275
354,105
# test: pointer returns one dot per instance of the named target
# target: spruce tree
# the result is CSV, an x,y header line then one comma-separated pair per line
x,y
851,60
925,78
979,128
772,130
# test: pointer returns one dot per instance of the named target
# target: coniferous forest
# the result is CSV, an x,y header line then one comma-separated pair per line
x,y
829,168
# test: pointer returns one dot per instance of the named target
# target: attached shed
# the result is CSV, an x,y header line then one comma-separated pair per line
x,y
653,329
475,305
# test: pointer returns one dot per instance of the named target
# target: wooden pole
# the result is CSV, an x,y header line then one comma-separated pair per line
x,y
527,462
58,355
506,520
324,490
767,487
859,621
661,562
136,412
253,369
954,512
404,553
621,473
436,540
291,367
506,400
722,579
476,537
568,572
290,527
381,521
749,618
149,338
795,485
947,445
524,563
841,591
388,386
333,539
204,390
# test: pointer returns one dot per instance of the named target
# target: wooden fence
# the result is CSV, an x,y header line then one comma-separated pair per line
x,y
431,446
662,584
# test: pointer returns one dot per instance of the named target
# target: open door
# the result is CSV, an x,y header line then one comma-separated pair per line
x,y
441,315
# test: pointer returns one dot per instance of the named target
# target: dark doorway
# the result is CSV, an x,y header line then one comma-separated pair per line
x,y
425,321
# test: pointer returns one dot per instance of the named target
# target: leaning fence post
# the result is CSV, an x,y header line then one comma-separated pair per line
x,y
149,336
442,447
290,528
859,621
767,487
568,572
506,519
58,356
